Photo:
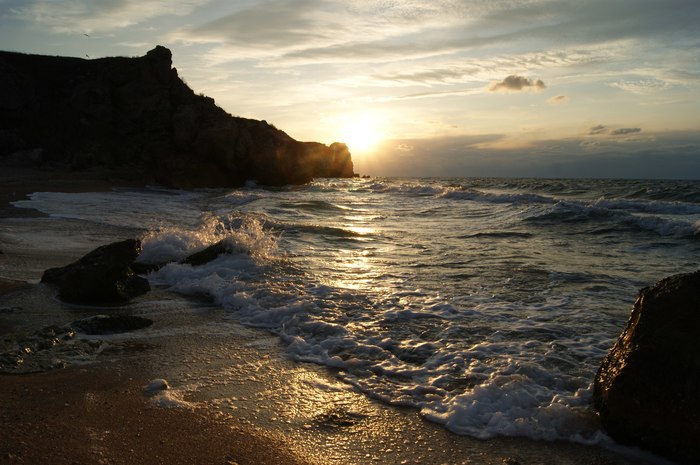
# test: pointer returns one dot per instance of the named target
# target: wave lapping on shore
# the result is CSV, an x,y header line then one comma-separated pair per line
x,y
485,303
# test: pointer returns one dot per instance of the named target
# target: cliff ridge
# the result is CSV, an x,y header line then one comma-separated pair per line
x,y
135,116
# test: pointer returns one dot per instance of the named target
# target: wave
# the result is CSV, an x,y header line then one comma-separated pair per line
x,y
646,206
314,206
322,230
498,235
487,197
485,389
603,219
248,235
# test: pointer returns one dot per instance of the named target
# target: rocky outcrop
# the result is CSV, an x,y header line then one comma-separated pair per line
x,y
136,117
646,389
103,276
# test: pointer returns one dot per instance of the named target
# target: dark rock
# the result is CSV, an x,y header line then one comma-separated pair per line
x,y
646,389
104,276
136,117
208,254
145,268
104,324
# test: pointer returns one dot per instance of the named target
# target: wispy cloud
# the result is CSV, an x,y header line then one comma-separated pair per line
x,y
436,94
641,86
88,16
558,100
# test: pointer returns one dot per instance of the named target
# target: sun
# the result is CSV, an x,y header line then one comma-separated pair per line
x,y
361,135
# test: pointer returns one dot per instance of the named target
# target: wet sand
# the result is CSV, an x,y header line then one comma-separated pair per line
x,y
235,398
99,415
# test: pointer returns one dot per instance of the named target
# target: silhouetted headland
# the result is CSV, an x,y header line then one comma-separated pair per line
x,y
136,117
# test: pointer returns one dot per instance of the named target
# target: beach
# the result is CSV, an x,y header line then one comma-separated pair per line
x,y
233,398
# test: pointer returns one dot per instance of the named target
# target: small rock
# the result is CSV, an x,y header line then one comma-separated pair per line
x,y
156,386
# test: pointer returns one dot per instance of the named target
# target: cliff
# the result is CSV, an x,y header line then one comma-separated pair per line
x,y
136,116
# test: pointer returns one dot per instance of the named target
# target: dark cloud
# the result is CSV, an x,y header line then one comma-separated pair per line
x,y
517,83
599,129
669,155
624,131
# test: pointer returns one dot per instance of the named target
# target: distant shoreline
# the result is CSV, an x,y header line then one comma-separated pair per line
x,y
17,183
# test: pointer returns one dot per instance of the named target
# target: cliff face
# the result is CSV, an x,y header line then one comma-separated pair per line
x,y
136,115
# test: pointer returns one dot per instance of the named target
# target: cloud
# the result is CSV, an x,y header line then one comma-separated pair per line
x,y
600,129
641,86
625,131
436,94
102,16
302,32
277,23
558,100
517,83
667,155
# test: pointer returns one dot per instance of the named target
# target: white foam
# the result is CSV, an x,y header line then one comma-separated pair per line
x,y
516,405
175,243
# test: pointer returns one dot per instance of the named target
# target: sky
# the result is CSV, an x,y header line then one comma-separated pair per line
x,y
546,88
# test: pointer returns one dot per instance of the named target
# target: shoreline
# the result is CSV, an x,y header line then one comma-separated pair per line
x,y
99,414
250,404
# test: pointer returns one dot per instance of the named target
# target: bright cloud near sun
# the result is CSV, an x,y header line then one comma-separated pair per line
x,y
462,83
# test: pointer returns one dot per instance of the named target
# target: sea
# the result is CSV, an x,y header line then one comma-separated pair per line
x,y
486,304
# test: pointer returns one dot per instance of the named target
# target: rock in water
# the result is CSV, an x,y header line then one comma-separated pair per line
x,y
208,254
647,389
104,276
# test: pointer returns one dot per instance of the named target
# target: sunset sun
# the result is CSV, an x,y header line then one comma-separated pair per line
x,y
361,135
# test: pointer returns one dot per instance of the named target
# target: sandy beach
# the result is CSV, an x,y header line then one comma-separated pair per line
x,y
234,399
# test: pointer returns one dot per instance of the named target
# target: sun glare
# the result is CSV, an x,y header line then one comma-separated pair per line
x,y
360,135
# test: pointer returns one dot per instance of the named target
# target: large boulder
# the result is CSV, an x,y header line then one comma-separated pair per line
x,y
647,389
103,276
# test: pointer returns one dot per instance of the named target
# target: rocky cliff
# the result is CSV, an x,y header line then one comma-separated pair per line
x,y
136,116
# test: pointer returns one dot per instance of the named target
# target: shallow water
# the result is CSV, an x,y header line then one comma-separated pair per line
x,y
487,304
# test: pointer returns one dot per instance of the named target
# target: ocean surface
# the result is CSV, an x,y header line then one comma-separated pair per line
x,y
487,304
